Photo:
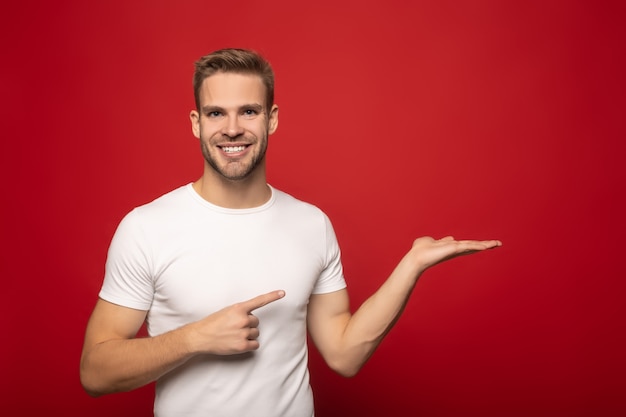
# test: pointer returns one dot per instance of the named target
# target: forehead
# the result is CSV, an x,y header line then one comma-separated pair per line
x,y
232,89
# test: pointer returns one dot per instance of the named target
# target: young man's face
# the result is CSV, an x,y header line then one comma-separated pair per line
x,y
233,124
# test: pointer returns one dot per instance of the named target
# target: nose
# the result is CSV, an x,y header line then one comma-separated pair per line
x,y
232,128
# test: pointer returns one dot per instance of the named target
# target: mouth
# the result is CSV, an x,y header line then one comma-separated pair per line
x,y
233,149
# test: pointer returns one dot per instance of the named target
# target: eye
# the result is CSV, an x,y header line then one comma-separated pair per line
x,y
213,113
250,112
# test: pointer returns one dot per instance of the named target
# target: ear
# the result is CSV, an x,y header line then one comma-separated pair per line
x,y
273,119
194,116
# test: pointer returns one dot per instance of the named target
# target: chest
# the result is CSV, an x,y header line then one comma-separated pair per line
x,y
200,270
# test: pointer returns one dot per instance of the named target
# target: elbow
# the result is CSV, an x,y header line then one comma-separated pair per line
x,y
95,389
347,362
92,393
90,388
91,383
345,368
86,381
348,373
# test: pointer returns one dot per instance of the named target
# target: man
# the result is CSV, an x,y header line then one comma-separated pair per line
x,y
230,273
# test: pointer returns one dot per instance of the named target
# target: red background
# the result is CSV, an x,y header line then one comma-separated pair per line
x,y
481,119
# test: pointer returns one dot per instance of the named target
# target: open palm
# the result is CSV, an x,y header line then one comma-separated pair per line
x,y
429,251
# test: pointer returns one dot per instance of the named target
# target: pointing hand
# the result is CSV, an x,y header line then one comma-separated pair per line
x,y
233,329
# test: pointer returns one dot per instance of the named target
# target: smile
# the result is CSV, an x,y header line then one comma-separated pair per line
x,y
233,149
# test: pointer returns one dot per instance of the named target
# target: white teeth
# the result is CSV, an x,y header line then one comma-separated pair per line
x,y
230,149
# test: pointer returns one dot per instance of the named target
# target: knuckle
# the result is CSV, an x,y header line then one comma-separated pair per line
x,y
242,322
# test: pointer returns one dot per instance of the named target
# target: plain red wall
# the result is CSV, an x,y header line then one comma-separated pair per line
x,y
481,119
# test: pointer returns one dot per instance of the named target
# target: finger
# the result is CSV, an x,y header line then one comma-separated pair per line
x,y
262,300
253,334
253,321
475,245
252,345
490,243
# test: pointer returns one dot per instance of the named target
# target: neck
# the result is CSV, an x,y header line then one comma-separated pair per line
x,y
249,192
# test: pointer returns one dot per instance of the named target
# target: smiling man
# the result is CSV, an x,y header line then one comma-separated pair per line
x,y
233,123
230,273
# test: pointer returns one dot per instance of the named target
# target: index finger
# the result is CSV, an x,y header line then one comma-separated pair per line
x,y
262,300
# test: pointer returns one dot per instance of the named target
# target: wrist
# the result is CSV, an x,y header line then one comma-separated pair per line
x,y
411,265
186,336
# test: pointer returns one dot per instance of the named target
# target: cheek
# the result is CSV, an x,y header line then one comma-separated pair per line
x,y
259,129
208,132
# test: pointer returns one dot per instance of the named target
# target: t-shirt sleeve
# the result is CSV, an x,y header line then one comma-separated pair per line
x,y
127,277
331,278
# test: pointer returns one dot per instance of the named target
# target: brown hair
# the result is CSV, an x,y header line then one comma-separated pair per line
x,y
235,60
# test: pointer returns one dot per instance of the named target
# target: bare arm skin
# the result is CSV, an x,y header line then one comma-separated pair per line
x,y
114,360
345,340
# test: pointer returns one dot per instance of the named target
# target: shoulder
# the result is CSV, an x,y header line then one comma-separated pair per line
x,y
290,204
170,199
304,218
161,210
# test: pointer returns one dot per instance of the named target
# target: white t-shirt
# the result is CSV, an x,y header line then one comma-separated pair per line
x,y
182,258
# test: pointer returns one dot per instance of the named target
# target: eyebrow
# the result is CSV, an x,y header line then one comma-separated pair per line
x,y
253,106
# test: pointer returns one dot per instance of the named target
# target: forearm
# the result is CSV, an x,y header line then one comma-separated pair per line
x,y
369,325
124,364
347,340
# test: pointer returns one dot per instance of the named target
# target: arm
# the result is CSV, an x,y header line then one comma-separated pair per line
x,y
114,360
347,341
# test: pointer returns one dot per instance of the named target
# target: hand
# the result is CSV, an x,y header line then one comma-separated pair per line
x,y
429,252
231,330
